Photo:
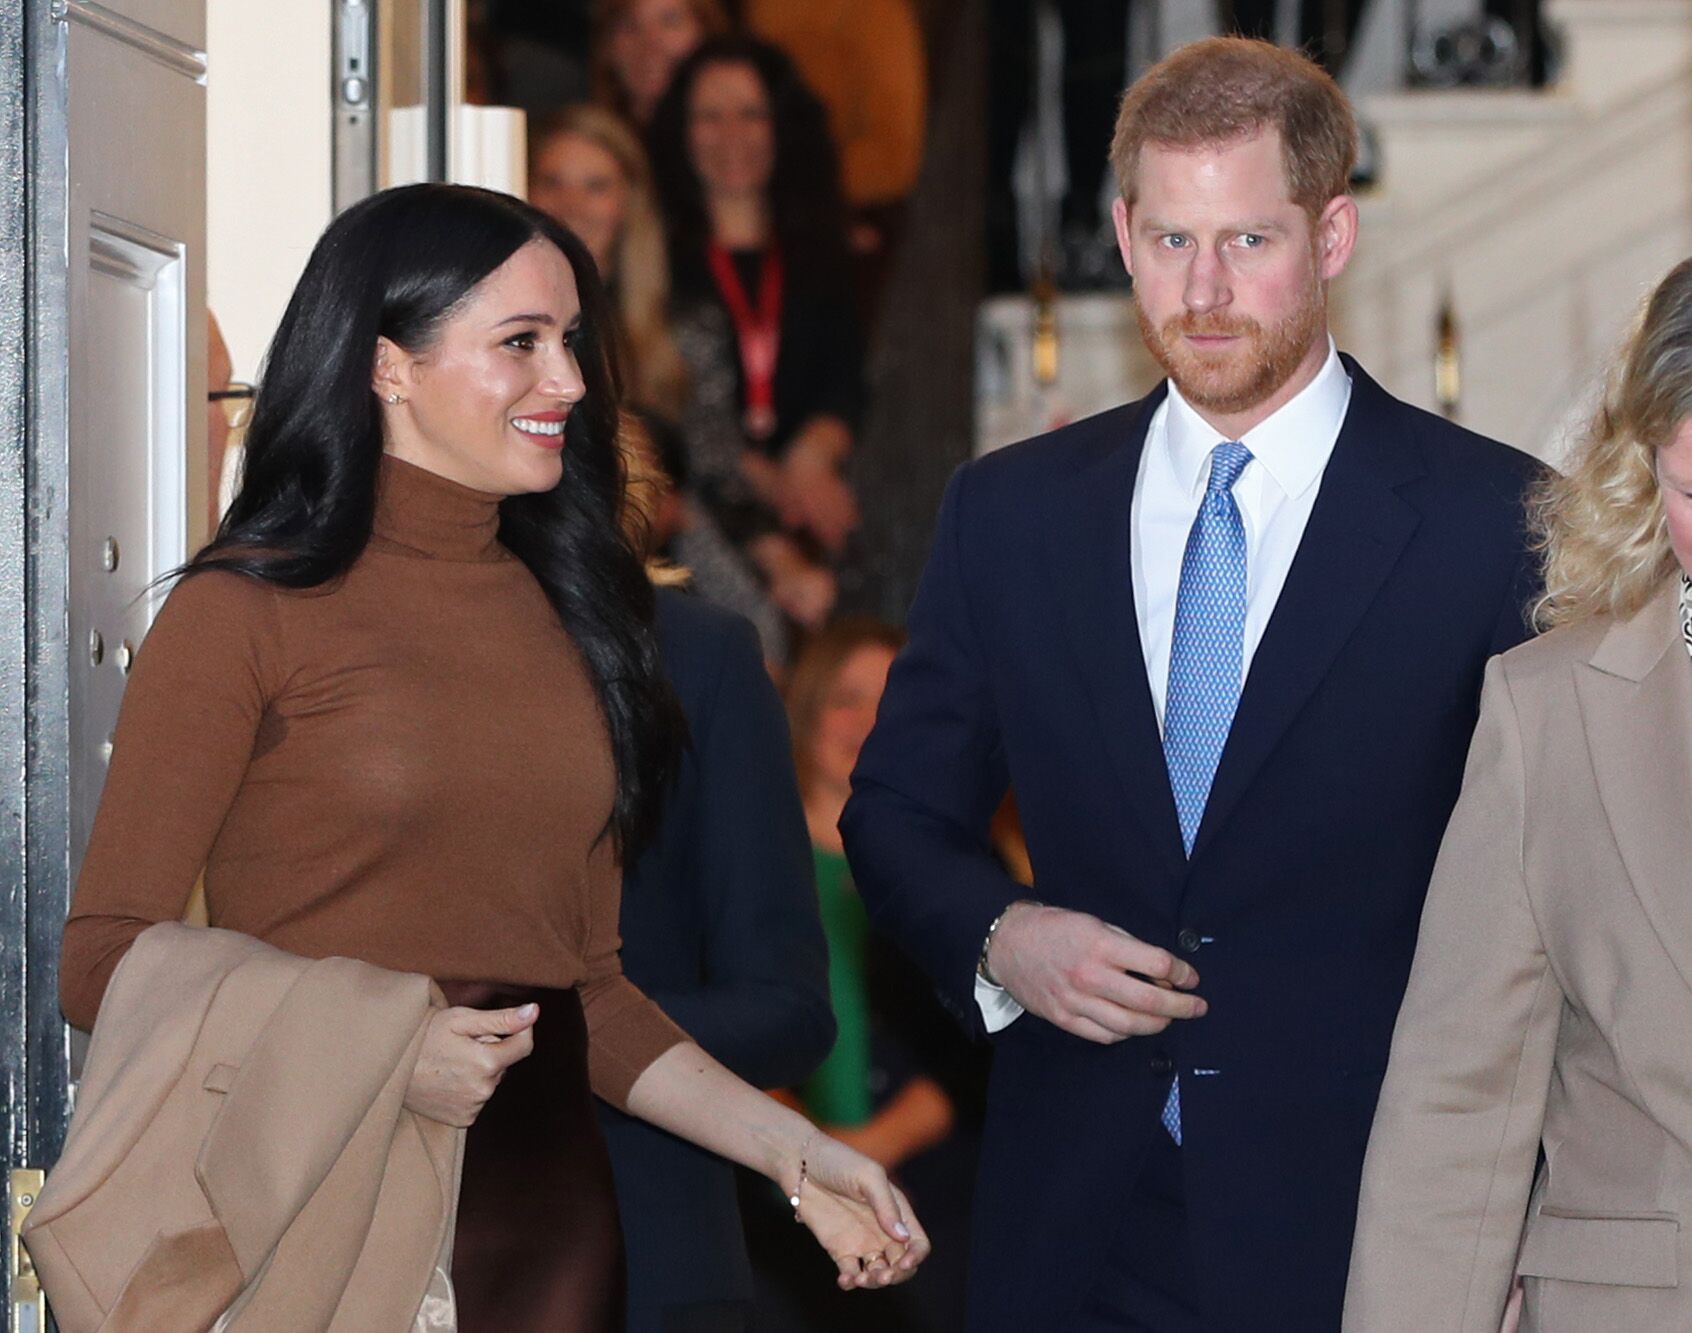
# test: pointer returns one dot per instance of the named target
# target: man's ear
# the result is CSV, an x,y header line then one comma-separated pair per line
x,y
1119,217
1336,236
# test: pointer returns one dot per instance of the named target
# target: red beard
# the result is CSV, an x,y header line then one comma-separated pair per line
x,y
1243,375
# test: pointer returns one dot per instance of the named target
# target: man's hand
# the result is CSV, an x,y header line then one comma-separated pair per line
x,y
1088,977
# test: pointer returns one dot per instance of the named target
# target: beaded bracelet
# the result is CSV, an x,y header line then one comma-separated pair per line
x,y
804,1172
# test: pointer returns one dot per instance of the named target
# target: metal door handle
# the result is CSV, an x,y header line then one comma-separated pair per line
x,y
29,1303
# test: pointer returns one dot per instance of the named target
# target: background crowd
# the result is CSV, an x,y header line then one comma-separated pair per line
x,y
741,180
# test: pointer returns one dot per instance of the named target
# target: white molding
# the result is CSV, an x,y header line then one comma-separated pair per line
x,y
150,42
1632,127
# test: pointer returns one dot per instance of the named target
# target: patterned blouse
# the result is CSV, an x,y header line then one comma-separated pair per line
x,y
1686,611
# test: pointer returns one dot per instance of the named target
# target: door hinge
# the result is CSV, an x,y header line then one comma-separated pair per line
x,y
29,1304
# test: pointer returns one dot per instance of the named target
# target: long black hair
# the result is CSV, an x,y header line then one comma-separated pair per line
x,y
397,265
807,211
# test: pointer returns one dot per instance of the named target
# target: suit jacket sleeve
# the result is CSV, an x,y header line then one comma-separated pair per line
x,y
1515,623
1456,1134
929,779
763,1009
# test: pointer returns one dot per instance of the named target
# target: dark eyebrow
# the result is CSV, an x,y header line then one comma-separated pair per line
x,y
547,320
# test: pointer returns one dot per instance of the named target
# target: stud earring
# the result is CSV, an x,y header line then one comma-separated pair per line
x,y
394,399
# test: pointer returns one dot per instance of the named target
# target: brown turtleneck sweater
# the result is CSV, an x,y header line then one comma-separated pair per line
x,y
407,766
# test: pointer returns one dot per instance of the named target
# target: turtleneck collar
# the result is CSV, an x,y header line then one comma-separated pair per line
x,y
425,514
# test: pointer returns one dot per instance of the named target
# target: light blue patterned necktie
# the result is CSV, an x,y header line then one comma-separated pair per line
x,y
1206,655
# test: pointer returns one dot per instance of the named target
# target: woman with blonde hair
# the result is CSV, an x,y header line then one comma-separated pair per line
x,y
588,171
1549,1007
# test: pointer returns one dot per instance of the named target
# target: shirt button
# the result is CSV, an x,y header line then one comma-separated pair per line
x,y
1162,1064
1189,940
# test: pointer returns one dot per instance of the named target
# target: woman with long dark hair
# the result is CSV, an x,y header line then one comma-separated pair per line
x,y
406,708
763,313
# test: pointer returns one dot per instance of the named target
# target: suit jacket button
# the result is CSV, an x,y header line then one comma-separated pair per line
x,y
1189,940
1162,1064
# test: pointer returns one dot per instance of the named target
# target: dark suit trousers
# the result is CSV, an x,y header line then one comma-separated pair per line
x,y
1148,1286
706,1317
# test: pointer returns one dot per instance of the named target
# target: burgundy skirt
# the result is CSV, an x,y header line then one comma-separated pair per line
x,y
539,1246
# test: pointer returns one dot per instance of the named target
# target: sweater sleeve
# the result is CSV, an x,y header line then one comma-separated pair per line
x,y
626,1030
185,735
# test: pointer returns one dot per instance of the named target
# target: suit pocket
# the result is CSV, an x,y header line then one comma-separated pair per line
x,y
1638,1251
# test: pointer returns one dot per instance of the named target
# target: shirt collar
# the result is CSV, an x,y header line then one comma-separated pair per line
x,y
1293,444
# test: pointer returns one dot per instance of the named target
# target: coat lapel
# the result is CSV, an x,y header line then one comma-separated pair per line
x,y
1356,533
1636,709
1094,585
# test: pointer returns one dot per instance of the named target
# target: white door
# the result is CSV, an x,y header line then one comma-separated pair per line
x,y
110,234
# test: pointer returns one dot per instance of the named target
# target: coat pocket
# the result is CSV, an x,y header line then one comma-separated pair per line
x,y
1635,1251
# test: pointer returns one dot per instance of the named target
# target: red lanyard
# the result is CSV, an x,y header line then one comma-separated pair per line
x,y
758,332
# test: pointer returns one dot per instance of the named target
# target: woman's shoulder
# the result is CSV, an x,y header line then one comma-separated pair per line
x,y
211,596
214,610
1626,643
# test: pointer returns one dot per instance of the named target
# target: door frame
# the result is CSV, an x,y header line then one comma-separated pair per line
x,y
34,563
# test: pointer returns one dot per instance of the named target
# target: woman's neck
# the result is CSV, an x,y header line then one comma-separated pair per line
x,y
739,222
823,804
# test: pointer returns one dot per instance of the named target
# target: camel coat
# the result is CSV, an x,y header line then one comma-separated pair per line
x,y
1550,1003
241,1155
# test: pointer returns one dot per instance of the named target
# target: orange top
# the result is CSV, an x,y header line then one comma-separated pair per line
x,y
407,766
864,59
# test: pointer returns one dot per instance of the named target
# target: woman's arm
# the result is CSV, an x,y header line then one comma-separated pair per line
x,y
184,738
864,1223
1456,1135
916,1118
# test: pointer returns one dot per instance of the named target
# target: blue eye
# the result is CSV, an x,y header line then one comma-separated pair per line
x,y
1251,240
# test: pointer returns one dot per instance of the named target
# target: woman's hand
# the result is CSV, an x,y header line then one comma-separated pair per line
x,y
860,1219
803,590
465,1054
809,491
859,1216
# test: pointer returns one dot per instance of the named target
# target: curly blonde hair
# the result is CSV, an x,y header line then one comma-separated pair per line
x,y
1600,527
639,280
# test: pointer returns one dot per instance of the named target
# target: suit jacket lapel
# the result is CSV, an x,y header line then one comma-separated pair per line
x,y
1094,585
1356,533
1636,708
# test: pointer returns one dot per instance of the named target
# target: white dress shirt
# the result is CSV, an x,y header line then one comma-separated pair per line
x,y
1275,494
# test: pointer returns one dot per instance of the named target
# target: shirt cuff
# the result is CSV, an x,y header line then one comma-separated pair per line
x,y
998,1008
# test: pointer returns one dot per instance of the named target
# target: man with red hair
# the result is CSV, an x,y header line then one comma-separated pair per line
x,y
1226,645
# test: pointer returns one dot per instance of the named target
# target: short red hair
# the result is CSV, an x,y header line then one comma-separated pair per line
x,y
1226,88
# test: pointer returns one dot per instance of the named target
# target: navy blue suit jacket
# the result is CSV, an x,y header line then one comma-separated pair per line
x,y
720,927
1300,904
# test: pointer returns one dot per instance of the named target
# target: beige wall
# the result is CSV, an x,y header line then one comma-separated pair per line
x,y
268,128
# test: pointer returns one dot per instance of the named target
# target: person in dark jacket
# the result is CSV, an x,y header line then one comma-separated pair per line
x,y
720,927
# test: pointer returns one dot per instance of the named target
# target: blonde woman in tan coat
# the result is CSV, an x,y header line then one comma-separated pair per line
x,y
1551,1000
